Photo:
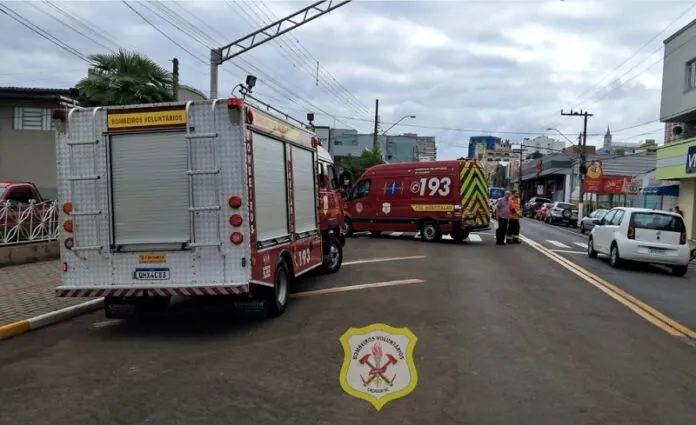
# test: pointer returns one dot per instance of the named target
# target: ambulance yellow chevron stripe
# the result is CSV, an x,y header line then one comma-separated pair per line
x,y
474,192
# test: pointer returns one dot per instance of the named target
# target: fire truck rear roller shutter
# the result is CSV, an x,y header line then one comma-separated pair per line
x,y
150,188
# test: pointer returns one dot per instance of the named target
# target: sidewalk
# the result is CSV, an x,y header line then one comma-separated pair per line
x,y
27,291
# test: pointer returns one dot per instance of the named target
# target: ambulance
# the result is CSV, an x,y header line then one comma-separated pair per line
x,y
434,198
219,198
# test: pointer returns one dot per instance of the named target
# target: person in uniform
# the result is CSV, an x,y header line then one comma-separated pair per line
x,y
513,226
502,213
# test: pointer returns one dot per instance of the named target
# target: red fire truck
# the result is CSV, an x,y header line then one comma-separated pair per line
x,y
218,198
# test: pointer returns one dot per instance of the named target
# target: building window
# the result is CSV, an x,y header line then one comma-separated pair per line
x,y
691,75
38,119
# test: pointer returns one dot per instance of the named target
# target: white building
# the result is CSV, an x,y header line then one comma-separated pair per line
x,y
543,144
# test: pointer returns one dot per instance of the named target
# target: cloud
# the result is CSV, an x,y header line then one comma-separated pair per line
x,y
463,68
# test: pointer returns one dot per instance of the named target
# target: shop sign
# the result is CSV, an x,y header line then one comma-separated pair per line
x,y
691,160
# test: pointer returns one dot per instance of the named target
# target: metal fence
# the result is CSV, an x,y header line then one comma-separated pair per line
x,y
28,223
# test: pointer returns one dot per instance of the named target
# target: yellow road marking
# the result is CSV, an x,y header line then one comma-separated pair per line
x,y
647,312
355,287
379,260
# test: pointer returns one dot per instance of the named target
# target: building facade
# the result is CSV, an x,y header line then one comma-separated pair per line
x,y
677,161
543,144
488,141
27,140
678,99
398,148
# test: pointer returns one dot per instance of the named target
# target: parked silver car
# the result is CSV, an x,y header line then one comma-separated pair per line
x,y
590,221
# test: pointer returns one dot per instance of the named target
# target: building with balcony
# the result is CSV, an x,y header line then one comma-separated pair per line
x,y
676,160
405,147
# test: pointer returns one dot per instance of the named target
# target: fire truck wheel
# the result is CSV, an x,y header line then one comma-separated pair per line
x,y
430,231
333,262
277,297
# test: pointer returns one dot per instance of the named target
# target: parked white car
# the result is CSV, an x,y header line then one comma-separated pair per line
x,y
641,235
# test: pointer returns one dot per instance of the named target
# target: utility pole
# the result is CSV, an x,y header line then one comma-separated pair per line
x,y
269,32
375,145
316,82
175,78
582,167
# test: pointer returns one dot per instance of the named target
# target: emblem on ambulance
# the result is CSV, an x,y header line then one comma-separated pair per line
x,y
378,366
358,207
386,207
415,187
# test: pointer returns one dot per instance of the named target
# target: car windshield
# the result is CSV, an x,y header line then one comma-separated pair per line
x,y
2,190
658,221
599,213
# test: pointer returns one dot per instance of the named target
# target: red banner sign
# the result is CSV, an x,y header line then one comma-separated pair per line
x,y
608,185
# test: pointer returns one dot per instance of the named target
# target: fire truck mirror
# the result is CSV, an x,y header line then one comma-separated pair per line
x,y
346,179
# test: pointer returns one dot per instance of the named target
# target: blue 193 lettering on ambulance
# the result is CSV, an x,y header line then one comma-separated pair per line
x,y
691,160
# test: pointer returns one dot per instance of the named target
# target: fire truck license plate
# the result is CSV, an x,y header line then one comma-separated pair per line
x,y
151,274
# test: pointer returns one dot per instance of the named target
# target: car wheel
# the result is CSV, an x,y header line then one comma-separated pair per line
x,y
614,258
430,231
680,270
590,249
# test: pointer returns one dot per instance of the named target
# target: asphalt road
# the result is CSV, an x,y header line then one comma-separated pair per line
x,y
655,285
506,336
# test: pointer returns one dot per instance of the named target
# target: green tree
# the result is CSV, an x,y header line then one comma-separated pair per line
x,y
124,78
358,164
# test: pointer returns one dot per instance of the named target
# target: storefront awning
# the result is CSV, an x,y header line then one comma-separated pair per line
x,y
661,190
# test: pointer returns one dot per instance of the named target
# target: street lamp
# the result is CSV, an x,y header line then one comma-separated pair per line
x,y
581,188
396,123
559,132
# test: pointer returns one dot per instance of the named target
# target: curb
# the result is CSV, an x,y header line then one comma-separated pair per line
x,y
24,326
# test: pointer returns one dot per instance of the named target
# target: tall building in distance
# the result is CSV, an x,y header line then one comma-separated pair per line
x,y
543,144
489,141
405,147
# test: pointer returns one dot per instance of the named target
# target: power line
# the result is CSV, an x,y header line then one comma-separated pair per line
x,y
626,61
38,30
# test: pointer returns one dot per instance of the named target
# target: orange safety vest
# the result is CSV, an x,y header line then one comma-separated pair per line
x,y
515,208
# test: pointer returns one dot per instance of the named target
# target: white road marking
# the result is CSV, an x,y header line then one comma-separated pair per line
x,y
581,244
447,238
565,251
356,287
558,244
396,234
106,323
379,260
475,238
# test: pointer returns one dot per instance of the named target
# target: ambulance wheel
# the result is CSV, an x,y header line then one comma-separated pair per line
x,y
332,263
347,227
277,297
461,236
430,231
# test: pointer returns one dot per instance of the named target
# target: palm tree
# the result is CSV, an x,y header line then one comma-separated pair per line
x,y
124,78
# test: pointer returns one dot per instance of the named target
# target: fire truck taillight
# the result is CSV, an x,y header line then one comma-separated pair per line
x,y
67,208
58,114
315,142
249,114
234,102
69,243
234,202
236,238
68,226
236,220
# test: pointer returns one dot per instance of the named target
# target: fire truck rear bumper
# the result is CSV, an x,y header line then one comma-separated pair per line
x,y
153,291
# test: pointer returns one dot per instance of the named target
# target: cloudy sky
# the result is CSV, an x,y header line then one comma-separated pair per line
x,y
464,68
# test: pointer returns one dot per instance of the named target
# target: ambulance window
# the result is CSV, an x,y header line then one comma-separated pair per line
x,y
333,178
362,189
